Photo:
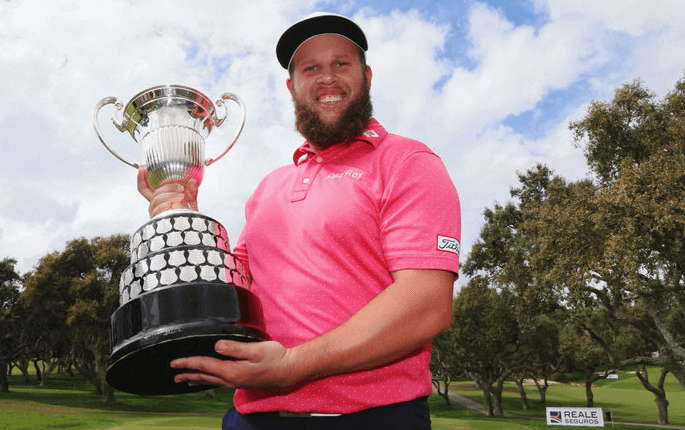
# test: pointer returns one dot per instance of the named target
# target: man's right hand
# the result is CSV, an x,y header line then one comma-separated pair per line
x,y
170,195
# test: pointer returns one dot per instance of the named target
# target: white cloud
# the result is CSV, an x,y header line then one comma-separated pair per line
x,y
516,68
58,58
633,17
406,64
649,35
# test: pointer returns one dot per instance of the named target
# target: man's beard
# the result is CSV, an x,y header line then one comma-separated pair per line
x,y
351,124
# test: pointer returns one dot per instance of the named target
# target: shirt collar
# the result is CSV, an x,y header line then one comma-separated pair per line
x,y
374,135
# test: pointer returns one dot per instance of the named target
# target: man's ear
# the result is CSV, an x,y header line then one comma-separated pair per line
x,y
290,84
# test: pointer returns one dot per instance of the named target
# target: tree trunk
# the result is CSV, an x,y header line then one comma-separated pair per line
x,y
487,398
39,373
208,394
522,393
4,381
447,381
23,365
97,387
542,390
48,372
497,398
107,398
588,390
445,394
662,408
658,391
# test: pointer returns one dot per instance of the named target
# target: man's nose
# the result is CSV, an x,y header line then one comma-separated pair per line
x,y
327,76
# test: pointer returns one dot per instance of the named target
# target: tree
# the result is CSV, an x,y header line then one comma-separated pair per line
x,y
502,256
69,299
486,338
616,246
582,353
9,295
48,295
545,357
444,364
96,297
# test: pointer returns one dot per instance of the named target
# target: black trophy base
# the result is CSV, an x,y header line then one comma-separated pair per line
x,y
162,325
147,372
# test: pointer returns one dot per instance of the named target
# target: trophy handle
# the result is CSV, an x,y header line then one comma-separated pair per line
x,y
218,120
118,105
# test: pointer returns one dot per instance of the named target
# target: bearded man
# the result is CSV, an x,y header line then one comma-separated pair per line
x,y
353,252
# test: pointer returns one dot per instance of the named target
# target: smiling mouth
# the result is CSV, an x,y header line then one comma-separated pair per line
x,y
330,99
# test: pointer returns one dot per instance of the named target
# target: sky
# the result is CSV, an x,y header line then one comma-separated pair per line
x,y
490,86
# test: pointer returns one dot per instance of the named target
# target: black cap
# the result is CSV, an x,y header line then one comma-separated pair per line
x,y
314,25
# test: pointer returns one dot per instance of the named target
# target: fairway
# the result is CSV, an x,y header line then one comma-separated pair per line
x,y
625,397
190,423
68,402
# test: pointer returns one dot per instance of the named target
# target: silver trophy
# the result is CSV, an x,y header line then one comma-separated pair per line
x,y
183,290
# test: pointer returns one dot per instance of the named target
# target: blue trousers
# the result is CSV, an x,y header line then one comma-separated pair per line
x,y
411,415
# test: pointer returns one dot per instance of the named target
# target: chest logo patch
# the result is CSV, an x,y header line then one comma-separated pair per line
x,y
448,244
348,174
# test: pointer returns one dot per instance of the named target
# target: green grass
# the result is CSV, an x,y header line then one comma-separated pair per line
x,y
69,403
627,399
457,417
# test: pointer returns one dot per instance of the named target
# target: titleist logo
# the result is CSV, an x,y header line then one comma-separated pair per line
x,y
448,244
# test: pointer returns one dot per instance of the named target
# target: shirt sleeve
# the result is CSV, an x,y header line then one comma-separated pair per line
x,y
420,216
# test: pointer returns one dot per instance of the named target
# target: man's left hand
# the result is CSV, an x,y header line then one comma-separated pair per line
x,y
247,364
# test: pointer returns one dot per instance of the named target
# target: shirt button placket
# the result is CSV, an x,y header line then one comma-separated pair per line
x,y
316,170
311,170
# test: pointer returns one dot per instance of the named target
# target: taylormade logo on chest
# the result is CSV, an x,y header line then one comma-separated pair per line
x,y
448,244
348,174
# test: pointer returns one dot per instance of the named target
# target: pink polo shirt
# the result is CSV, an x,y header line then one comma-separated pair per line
x,y
321,240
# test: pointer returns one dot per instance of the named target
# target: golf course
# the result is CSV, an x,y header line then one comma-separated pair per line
x,y
68,402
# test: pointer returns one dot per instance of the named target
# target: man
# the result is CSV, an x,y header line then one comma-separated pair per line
x,y
353,251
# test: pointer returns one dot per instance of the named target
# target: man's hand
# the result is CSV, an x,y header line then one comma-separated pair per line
x,y
248,364
173,194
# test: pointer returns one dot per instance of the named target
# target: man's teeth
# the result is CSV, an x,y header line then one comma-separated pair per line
x,y
330,99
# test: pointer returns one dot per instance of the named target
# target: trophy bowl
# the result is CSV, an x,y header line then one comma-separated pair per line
x,y
183,290
171,123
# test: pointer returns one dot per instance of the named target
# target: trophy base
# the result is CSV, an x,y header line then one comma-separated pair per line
x,y
162,325
147,372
